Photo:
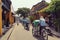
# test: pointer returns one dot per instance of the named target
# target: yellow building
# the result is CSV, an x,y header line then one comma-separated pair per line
x,y
0,18
6,16
38,7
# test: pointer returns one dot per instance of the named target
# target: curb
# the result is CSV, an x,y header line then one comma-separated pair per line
x,y
8,34
55,33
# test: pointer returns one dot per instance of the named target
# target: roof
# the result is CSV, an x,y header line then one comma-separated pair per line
x,y
39,6
42,10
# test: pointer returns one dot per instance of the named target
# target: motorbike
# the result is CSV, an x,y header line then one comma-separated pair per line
x,y
26,26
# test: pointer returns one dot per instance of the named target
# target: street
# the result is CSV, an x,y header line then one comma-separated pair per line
x,y
42,14
19,33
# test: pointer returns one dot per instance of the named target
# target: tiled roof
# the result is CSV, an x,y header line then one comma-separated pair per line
x,y
39,6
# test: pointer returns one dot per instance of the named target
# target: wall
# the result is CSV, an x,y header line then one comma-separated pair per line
x,y
11,18
0,19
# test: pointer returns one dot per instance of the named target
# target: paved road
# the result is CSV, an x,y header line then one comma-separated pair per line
x,y
19,33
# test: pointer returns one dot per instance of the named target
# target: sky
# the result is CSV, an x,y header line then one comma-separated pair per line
x,y
24,3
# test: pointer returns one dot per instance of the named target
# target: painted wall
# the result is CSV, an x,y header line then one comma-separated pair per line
x,y
8,16
0,19
11,18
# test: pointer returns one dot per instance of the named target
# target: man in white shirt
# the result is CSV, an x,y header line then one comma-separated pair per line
x,y
42,23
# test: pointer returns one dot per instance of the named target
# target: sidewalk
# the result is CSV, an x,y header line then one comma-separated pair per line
x,y
55,33
4,37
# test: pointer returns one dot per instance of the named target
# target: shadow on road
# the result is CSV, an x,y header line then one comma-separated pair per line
x,y
56,36
39,38
51,34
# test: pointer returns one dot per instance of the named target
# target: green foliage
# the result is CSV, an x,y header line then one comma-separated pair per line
x,y
23,11
50,9
54,7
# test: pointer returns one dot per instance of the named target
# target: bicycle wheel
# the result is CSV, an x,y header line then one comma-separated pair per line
x,y
33,32
24,26
44,34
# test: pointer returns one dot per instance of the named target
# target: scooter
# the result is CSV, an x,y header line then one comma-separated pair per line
x,y
26,26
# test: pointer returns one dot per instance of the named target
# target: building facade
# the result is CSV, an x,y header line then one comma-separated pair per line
x,y
39,6
5,14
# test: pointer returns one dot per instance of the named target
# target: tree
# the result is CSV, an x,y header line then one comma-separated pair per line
x,y
23,11
54,9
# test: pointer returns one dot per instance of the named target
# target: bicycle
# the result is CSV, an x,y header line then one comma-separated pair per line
x,y
44,34
35,31
26,26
